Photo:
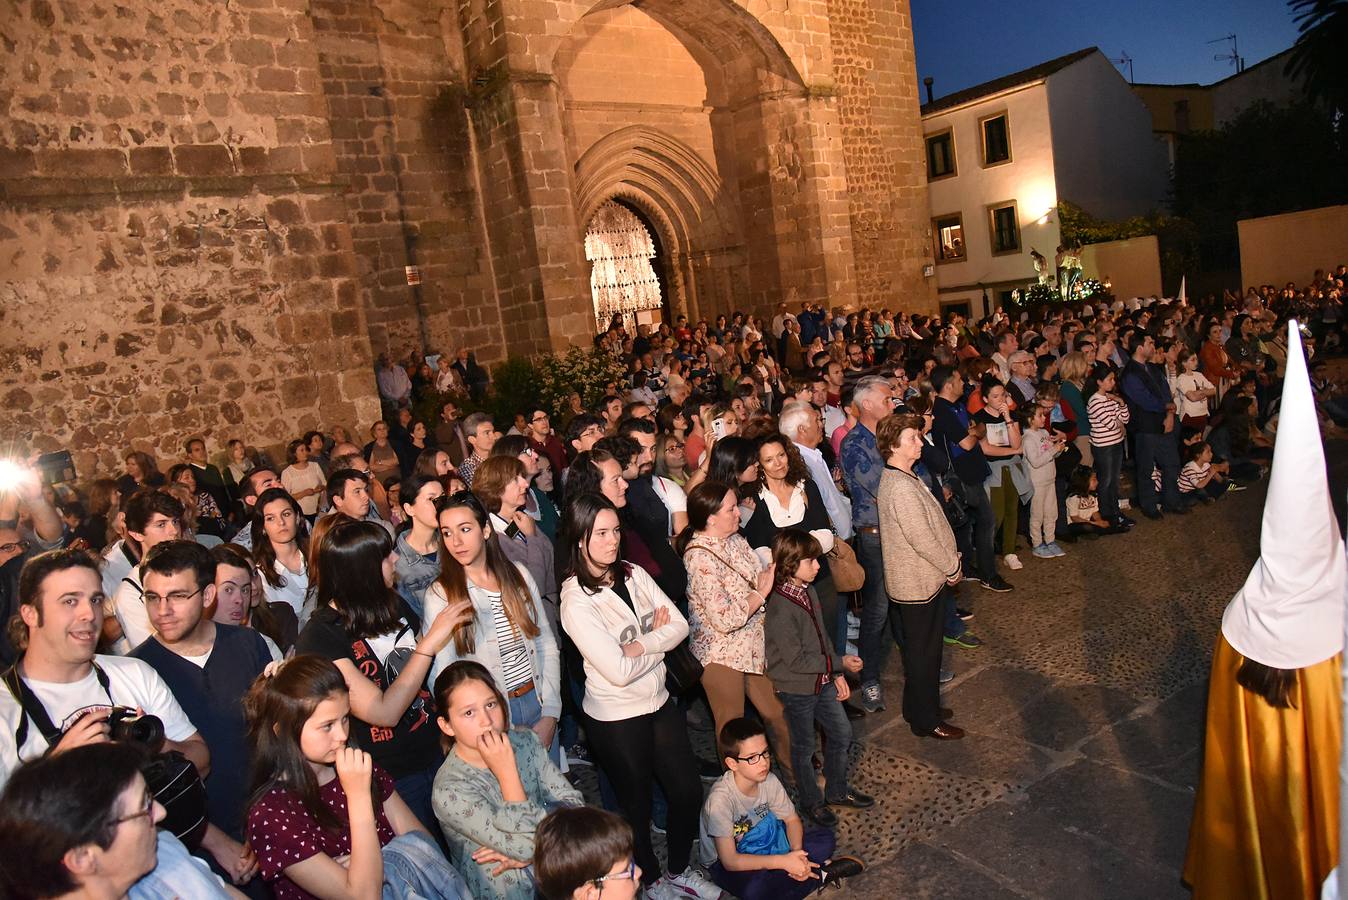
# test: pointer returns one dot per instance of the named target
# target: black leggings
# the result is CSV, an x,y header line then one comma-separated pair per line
x,y
635,753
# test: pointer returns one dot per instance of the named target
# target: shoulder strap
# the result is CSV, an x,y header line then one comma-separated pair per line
x,y
31,708
725,563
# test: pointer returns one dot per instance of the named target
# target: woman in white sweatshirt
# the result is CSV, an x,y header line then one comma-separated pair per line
x,y
623,624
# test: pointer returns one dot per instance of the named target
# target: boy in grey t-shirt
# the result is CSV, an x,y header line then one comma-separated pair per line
x,y
746,795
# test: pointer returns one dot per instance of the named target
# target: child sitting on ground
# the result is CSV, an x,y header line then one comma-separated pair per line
x,y
1042,448
808,679
495,786
584,853
1083,506
752,841
1202,477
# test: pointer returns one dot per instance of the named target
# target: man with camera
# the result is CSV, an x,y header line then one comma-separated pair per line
x,y
209,667
61,694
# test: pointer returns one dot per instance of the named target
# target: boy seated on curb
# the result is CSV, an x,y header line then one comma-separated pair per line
x,y
752,841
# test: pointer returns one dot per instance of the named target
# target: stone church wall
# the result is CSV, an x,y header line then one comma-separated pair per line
x,y
208,207
176,253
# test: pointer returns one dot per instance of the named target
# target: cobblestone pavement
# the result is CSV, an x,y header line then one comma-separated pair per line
x,y
1085,713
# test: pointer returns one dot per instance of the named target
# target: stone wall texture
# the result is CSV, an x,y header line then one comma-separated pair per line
x,y
208,208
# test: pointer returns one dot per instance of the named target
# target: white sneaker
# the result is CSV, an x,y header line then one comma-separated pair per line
x,y
692,883
663,890
1012,561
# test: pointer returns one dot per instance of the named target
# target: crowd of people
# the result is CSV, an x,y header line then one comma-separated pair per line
x,y
370,671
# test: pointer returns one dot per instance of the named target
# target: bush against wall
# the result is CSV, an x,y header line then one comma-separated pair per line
x,y
1177,238
519,383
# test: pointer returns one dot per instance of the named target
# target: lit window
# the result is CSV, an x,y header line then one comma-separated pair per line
x,y
948,232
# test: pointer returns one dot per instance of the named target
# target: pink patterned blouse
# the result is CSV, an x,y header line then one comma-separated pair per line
x,y
720,628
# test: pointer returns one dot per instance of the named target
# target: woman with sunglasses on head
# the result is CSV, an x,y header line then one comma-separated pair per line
x,y
505,626
502,484
537,505
623,625
384,651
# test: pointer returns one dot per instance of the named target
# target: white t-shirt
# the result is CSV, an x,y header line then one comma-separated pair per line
x,y
293,589
131,683
728,813
128,604
675,500
1192,381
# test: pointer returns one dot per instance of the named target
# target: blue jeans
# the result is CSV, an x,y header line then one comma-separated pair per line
x,y
984,521
1108,466
802,712
954,626
415,869
872,646
774,884
525,711
1157,450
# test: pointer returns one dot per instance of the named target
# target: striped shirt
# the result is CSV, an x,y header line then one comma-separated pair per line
x,y
1192,475
1107,416
515,665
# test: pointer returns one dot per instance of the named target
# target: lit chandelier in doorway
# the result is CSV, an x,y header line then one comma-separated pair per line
x,y
622,279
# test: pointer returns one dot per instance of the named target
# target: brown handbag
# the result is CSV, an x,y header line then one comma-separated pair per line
x,y
848,575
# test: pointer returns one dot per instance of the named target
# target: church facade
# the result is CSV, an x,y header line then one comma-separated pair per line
x,y
214,214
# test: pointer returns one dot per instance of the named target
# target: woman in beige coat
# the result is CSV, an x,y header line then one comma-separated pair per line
x,y
920,562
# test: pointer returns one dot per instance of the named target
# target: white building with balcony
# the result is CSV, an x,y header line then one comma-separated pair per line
x,y
1001,155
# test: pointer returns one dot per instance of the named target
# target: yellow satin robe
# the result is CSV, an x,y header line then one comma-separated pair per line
x,y
1266,819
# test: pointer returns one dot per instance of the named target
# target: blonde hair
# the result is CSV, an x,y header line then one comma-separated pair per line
x,y
1074,368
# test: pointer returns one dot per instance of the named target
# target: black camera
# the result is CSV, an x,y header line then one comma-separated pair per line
x,y
144,730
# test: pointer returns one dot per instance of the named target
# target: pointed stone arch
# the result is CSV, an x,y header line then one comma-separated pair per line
x,y
682,198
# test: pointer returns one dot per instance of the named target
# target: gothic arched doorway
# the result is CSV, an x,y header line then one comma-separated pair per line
x,y
627,267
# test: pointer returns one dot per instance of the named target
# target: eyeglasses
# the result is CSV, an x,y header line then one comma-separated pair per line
x,y
175,597
147,811
541,417
13,547
627,874
755,757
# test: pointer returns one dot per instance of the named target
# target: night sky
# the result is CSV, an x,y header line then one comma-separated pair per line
x,y
961,43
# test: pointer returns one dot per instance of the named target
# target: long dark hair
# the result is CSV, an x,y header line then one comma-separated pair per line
x,y
263,552
350,577
730,457
277,706
574,534
703,501
516,599
1274,685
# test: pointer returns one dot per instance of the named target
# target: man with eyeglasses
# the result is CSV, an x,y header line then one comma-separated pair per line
x,y
60,692
583,432
82,824
538,429
18,544
208,667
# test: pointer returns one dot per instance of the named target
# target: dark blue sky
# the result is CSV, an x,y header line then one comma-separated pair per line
x,y
961,43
